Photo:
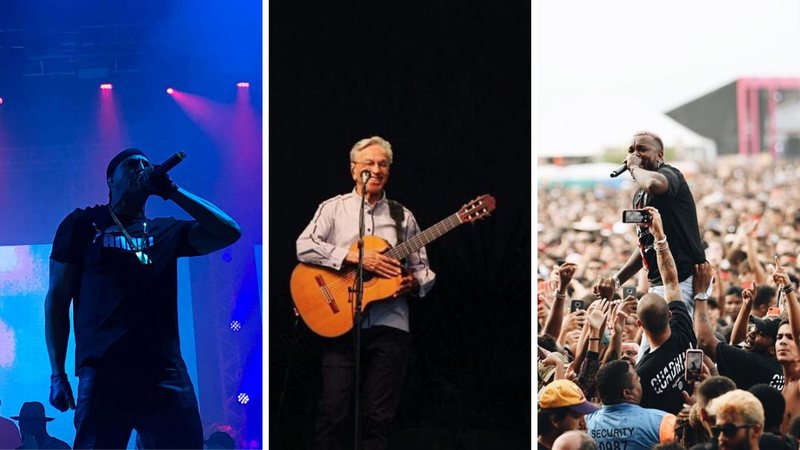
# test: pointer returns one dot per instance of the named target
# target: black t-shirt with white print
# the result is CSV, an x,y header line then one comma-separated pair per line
x,y
679,216
747,369
124,312
662,371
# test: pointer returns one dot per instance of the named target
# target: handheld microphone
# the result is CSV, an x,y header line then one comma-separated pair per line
x,y
171,162
619,171
365,176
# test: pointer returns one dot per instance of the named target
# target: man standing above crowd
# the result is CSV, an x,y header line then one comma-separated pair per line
x,y
663,187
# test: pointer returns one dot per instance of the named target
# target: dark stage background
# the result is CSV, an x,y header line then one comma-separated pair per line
x,y
448,84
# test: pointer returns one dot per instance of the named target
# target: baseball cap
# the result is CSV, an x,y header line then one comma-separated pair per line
x,y
767,327
565,393
121,156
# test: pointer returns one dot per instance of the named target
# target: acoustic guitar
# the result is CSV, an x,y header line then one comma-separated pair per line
x,y
322,296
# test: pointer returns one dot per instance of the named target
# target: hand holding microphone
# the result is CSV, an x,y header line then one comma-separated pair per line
x,y
619,170
156,181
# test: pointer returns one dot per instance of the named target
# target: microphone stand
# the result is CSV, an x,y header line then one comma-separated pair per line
x,y
357,315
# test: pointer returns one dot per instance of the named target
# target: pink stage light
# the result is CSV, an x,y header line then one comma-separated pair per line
x,y
1,100
243,84
106,86
170,91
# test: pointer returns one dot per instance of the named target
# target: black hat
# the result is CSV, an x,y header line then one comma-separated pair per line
x,y
121,156
32,411
768,327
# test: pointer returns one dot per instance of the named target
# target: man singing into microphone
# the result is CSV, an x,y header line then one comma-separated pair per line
x,y
385,342
120,268
663,187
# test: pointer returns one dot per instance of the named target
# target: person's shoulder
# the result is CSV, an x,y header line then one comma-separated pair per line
x,y
652,412
83,215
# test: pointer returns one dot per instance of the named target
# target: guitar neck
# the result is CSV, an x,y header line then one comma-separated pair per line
x,y
419,240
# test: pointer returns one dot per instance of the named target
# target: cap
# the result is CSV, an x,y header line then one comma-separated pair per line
x,y
565,393
121,156
32,411
768,327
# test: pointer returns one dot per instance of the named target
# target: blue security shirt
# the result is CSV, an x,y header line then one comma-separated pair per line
x,y
626,426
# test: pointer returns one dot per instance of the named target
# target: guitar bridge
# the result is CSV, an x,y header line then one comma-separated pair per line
x,y
326,293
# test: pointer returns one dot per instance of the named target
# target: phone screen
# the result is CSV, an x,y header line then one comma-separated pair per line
x,y
694,364
628,291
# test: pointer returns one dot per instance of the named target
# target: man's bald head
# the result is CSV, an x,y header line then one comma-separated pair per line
x,y
653,313
574,440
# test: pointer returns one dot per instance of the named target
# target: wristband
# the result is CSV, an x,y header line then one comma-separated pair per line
x,y
661,241
788,288
594,339
617,284
701,297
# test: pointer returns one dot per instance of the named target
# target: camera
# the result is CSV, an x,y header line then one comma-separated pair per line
x,y
635,216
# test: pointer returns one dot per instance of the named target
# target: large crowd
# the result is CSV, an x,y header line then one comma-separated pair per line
x,y
612,365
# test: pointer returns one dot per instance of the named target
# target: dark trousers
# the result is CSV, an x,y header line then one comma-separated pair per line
x,y
159,403
384,355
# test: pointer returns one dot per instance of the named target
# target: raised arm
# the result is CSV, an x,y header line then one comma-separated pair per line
x,y
780,277
739,330
759,274
214,229
706,339
552,324
649,180
666,264
630,268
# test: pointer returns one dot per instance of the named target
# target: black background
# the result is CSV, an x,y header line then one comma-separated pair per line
x,y
448,83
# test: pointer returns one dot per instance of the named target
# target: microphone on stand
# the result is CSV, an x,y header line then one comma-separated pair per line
x,y
365,176
619,171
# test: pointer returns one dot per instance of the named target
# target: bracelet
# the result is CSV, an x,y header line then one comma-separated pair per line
x,y
661,241
788,288
594,339
560,296
617,284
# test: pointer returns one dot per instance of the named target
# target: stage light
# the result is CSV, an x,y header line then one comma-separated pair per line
x,y
236,325
170,91
1,100
243,398
243,84
106,86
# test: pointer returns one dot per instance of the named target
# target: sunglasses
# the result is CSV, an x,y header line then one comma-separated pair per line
x,y
728,430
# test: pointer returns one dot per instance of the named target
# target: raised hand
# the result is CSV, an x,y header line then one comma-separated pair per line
x,y
656,225
604,287
565,274
598,315
628,306
703,273
619,320
574,320
749,294
779,275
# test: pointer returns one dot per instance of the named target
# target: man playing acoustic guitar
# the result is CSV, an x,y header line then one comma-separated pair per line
x,y
328,241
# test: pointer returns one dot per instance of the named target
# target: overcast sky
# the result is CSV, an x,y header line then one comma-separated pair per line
x,y
659,54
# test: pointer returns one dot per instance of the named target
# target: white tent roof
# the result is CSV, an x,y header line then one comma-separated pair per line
x,y
587,126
